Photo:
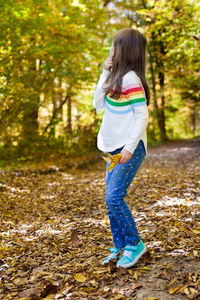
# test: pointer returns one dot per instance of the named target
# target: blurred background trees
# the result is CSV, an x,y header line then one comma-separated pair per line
x,y
51,58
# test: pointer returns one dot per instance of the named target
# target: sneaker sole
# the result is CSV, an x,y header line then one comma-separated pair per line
x,y
134,261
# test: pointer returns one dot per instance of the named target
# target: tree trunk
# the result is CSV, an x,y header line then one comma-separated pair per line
x,y
69,115
156,112
57,104
30,123
161,77
162,109
194,118
31,106
54,119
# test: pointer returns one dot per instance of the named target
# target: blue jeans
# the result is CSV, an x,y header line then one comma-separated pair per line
x,y
122,224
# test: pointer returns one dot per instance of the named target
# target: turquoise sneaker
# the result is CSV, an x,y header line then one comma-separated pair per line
x,y
131,254
114,253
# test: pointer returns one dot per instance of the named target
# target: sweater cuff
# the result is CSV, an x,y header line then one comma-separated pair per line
x,y
129,148
105,72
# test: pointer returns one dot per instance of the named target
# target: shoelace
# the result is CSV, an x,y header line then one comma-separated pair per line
x,y
112,255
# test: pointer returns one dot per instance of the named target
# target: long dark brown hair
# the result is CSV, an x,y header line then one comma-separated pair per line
x,y
130,54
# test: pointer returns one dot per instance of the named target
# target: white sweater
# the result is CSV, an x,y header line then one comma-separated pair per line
x,y
125,119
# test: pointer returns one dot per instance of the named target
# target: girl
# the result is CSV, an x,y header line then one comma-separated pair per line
x,y
124,93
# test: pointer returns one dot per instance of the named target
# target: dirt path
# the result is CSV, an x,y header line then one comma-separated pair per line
x,y
55,230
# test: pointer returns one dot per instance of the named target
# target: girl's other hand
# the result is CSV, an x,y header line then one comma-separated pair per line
x,y
108,63
126,155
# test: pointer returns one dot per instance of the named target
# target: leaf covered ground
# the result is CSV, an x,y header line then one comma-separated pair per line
x,y
55,229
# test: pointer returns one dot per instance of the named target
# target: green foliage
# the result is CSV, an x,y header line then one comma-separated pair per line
x,y
48,51
173,56
51,57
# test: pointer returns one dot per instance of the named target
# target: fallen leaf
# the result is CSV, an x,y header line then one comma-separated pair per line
x,y
75,239
172,281
113,159
195,252
32,292
195,231
122,270
49,288
135,276
175,289
80,277
66,291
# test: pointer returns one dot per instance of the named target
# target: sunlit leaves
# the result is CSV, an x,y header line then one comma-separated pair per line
x,y
113,159
55,229
79,277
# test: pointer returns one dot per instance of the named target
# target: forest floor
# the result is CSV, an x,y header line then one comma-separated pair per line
x,y
55,230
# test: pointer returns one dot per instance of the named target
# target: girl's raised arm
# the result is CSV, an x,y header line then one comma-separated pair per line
x,y
99,94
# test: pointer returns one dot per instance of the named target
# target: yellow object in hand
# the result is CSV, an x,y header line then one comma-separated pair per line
x,y
113,159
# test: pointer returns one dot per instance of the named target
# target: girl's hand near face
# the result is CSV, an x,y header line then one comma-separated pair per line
x,y
108,61
126,155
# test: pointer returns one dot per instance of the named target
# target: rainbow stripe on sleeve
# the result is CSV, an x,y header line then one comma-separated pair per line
x,y
131,94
